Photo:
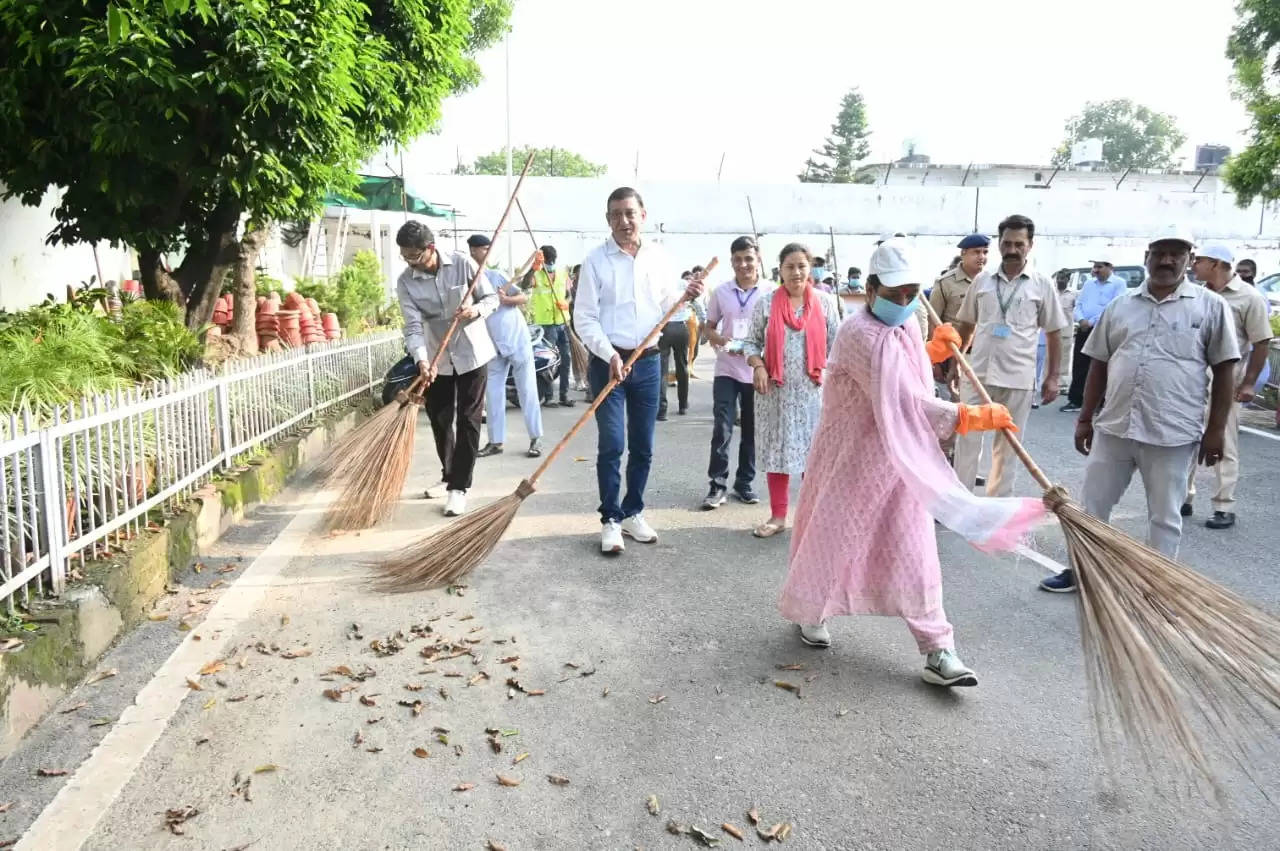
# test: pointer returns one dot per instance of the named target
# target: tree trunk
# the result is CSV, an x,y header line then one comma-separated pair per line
x,y
157,282
244,330
206,265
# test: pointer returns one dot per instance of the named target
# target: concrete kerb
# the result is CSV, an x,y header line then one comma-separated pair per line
x,y
116,595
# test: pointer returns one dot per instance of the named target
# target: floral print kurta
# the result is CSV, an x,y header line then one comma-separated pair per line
x,y
787,416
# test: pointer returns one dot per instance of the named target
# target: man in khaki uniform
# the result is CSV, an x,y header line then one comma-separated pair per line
x,y
949,290
1067,298
1001,318
1250,320
1151,356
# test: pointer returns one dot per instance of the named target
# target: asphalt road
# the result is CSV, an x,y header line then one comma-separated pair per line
x,y
659,672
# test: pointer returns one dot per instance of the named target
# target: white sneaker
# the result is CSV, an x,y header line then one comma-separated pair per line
x,y
815,635
635,528
611,538
944,668
456,503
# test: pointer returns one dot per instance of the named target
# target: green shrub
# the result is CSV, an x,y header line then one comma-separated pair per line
x,y
1275,325
155,342
361,291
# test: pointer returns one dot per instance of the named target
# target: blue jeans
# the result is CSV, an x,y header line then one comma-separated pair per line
x,y
726,393
557,336
626,420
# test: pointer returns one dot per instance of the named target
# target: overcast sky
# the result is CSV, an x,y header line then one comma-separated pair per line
x,y
683,81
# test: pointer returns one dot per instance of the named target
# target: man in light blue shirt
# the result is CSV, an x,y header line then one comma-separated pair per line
x,y
510,334
1095,295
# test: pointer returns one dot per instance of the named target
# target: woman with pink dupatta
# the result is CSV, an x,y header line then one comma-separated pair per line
x,y
878,438
792,330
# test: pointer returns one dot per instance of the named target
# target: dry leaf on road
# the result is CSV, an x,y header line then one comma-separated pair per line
x,y
367,700
840,713
4,808
413,686
158,616
557,780
703,837
674,827
652,805
100,676
753,815
504,780
658,698
174,819
519,759
732,831
786,686
794,666
296,653
194,684
81,705
266,769
229,568
421,753
50,772
213,667
495,846
464,787
208,704
358,740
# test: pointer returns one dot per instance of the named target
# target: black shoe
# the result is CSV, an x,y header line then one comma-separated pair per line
x,y
567,403
490,449
662,416
550,403
1062,583
1221,520
746,495
980,482
682,411
714,499
1069,408
1185,511
1035,406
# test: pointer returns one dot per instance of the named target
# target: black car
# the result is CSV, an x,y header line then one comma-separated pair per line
x,y
546,363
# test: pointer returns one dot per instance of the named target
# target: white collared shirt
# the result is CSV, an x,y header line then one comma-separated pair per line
x,y
621,298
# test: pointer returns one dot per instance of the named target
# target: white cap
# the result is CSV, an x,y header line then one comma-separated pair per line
x,y
1218,251
1174,234
892,264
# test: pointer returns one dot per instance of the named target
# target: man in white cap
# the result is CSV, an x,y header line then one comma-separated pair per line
x,y
1214,265
1095,295
1003,315
1151,356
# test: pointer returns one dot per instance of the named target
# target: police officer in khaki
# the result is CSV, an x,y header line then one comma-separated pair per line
x,y
1067,298
949,290
1001,319
1250,318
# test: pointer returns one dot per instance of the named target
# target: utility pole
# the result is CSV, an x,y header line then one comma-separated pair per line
x,y
506,45
720,170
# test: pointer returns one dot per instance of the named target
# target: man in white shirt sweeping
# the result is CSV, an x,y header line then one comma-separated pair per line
x,y
625,287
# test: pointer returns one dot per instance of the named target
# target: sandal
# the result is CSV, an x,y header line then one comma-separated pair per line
x,y
768,529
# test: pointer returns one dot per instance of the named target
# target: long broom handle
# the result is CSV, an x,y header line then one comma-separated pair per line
x,y
1018,449
613,382
529,230
457,319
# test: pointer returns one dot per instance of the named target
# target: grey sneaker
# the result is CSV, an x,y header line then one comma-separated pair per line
x,y
535,448
944,668
714,498
815,635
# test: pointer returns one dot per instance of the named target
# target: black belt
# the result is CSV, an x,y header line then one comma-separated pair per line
x,y
626,354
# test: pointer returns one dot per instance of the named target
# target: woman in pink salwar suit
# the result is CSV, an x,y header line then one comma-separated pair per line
x,y
878,438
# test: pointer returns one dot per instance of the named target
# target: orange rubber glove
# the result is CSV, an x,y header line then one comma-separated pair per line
x,y
939,348
991,417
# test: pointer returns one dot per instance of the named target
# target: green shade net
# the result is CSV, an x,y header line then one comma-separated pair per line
x,y
384,193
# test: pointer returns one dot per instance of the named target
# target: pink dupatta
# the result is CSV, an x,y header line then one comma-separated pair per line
x,y
901,384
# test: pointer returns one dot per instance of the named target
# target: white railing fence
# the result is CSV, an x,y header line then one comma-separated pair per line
x,y
79,480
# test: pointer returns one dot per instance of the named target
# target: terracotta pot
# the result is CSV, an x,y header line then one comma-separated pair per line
x,y
268,308
294,301
329,321
314,306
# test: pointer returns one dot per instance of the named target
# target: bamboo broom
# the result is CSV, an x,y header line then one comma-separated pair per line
x,y
577,350
1168,652
452,552
371,475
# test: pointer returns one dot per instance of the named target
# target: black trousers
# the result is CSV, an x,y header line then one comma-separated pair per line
x,y
1079,368
464,395
674,343
727,395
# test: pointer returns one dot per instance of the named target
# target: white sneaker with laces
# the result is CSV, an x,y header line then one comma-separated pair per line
x,y
944,668
611,538
635,528
815,635
456,504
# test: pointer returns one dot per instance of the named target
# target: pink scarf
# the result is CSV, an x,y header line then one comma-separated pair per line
x,y
813,322
901,386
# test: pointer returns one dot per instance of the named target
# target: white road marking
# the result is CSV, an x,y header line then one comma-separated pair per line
x,y
73,814
1260,433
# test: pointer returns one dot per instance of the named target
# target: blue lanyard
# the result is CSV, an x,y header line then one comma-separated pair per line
x,y
743,302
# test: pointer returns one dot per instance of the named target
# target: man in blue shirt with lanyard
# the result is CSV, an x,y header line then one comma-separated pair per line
x,y
1095,295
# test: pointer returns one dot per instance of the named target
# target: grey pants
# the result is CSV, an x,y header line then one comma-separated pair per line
x,y
1164,470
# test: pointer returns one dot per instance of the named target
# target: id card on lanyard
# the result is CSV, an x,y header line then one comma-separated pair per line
x,y
1003,330
742,322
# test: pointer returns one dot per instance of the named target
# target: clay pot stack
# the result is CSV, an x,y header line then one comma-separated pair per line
x,y
290,328
268,324
223,311
332,330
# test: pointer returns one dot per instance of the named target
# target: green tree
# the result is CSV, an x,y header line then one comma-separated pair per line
x,y
837,160
1133,136
165,123
1252,173
547,162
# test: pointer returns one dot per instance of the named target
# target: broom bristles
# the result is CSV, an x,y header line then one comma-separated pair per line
x,y
372,477
581,357
1170,653
450,553
347,453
